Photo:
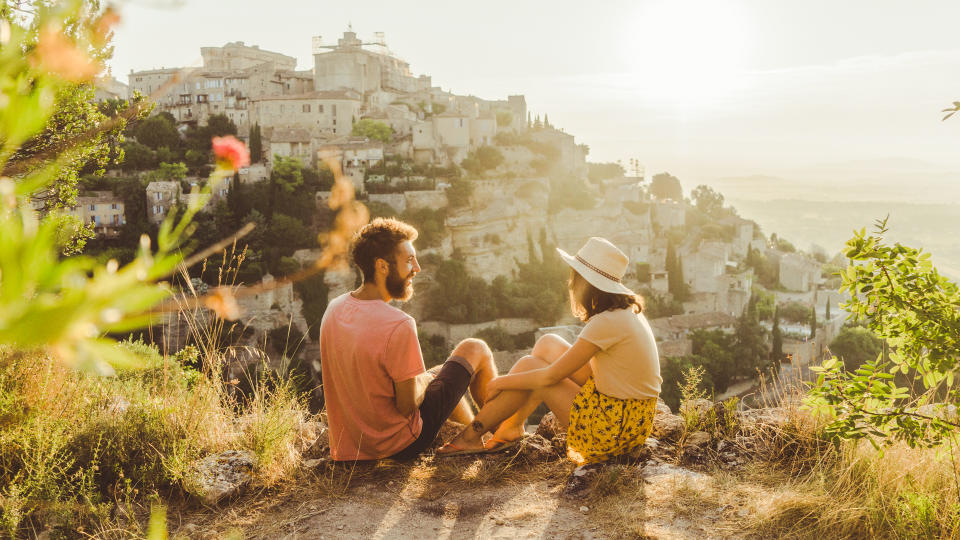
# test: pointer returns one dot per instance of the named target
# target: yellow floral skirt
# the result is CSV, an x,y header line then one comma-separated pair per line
x,y
602,427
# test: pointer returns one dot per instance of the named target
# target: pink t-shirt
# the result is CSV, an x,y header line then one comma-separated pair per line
x,y
365,347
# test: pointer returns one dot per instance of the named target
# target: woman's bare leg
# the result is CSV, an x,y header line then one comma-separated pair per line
x,y
511,408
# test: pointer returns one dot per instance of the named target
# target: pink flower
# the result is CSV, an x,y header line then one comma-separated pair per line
x,y
230,152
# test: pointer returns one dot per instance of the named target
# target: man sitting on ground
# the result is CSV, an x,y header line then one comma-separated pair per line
x,y
378,398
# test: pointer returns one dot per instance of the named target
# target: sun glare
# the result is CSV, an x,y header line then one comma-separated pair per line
x,y
689,52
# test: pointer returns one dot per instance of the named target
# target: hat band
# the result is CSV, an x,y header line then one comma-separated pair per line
x,y
595,269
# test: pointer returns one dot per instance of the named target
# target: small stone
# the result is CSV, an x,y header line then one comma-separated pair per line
x,y
550,427
584,509
581,480
222,475
339,527
314,463
499,522
536,449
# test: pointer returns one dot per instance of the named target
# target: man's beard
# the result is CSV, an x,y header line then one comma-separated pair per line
x,y
399,288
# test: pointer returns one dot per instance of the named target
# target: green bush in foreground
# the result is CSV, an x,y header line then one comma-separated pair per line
x,y
902,298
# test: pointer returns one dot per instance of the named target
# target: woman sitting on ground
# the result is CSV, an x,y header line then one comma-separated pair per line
x,y
603,388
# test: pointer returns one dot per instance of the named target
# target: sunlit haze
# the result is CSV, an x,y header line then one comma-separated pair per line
x,y
708,89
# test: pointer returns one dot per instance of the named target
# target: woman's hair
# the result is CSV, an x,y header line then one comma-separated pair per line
x,y
592,300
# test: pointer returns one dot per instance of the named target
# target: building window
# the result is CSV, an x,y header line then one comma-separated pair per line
x,y
334,121
116,219
113,206
333,109
306,107
93,207
320,109
159,196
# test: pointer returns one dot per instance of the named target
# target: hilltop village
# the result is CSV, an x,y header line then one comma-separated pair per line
x,y
492,187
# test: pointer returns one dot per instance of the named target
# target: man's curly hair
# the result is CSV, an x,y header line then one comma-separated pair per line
x,y
379,240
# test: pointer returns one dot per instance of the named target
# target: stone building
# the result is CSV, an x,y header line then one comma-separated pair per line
x,y
798,273
679,327
330,113
291,143
161,196
669,214
102,209
348,65
354,155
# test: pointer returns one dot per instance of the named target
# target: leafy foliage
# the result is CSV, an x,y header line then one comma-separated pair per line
x,y
373,130
708,201
64,305
597,172
900,296
666,186
482,159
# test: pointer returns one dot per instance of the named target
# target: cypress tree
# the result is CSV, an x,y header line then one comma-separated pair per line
x,y
828,309
256,144
777,336
813,322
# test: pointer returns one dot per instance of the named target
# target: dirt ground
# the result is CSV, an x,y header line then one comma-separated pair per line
x,y
469,497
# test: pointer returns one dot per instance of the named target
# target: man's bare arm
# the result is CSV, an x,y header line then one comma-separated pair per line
x,y
409,393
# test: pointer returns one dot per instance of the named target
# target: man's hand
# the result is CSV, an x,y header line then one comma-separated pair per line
x,y
409,393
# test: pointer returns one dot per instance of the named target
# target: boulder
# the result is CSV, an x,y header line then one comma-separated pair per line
x,y
668,427
222,475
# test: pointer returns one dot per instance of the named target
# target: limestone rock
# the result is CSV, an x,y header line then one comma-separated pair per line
x,y
222,475
662,407
668,427
698,439
776,417
550,427
448,431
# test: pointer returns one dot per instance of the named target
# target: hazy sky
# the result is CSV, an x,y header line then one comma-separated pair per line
x,y
700,88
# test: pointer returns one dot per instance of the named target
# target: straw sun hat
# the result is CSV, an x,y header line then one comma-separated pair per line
x,y
601,264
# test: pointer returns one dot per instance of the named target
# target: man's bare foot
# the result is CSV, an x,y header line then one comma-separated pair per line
x,y
504,438
462,445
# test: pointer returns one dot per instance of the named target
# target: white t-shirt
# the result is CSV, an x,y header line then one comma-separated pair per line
x,y
628,364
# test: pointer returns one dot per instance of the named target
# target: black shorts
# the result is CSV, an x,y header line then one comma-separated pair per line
x,y
439,400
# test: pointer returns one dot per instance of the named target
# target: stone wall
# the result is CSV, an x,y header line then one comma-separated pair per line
x,y
426,199
396,200
454,333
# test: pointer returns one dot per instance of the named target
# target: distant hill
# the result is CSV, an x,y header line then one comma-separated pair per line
x,y
829,224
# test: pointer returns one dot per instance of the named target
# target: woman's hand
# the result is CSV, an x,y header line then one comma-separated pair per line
x,y
493,388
